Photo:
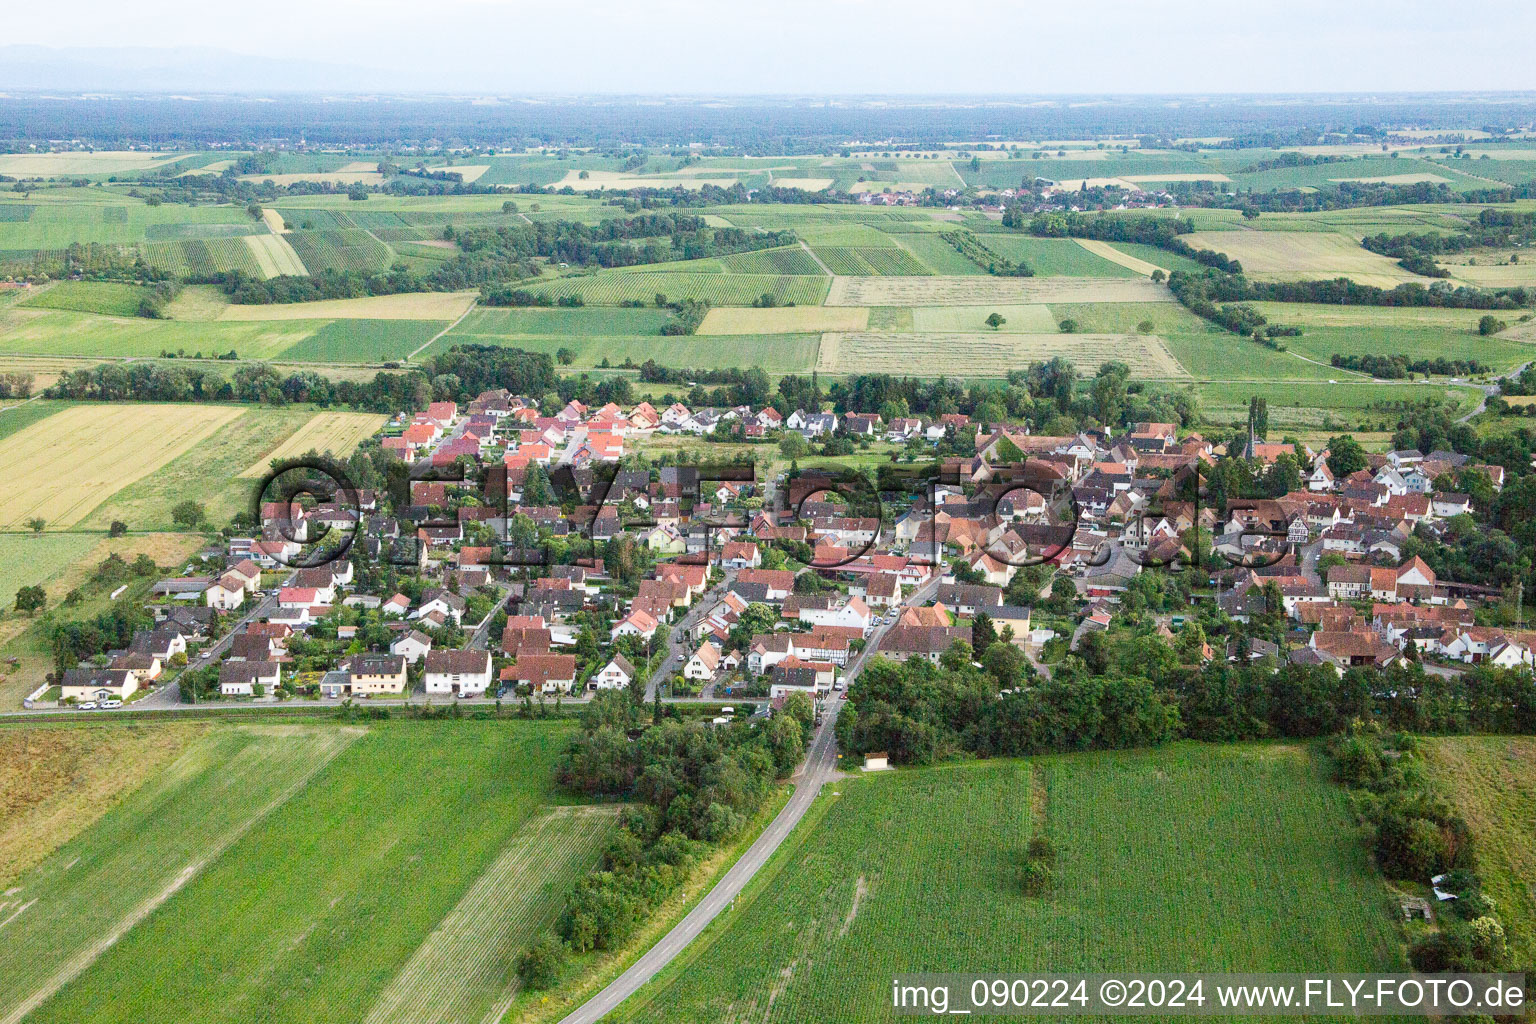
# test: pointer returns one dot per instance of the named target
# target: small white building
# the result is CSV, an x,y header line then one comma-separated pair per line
x,y
462,673
616,675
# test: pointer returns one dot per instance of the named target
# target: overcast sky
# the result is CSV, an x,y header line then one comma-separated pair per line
x,y
845,46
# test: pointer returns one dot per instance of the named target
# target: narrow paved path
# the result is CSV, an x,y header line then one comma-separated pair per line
x,y
820,765
825,269
473,303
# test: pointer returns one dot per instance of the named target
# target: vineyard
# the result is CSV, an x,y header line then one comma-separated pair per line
x,y
312,912
346,251
867,260
992,355
790,259
364,341
104,297
1188,858
202,257
610,289
459,973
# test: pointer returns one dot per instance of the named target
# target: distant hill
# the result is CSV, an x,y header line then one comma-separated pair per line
x,y
179,69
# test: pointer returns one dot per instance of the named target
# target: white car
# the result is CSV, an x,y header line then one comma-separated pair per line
x,y
89,705
111,703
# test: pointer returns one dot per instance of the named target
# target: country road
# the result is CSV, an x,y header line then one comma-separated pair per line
x,y
820,766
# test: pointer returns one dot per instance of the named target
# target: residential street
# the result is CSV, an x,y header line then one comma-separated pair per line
x,y
677,640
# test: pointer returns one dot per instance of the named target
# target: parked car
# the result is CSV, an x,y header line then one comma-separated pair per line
x,y
111,703
89,705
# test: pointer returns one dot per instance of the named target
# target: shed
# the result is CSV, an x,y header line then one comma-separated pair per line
x,y
877,762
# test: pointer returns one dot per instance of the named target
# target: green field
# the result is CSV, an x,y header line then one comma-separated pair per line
x,y
344,251
576,322
1190,858
1421,343
1124,317
1490,780
61,333
91,297
609,288
871,261
1054,257
199,257
777,353
1224,356
312,895
363,341
33,559
1309,403
209,473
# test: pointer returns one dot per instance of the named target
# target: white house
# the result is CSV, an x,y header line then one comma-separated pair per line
x,y
702,665
240,678
853,612
461,673
616,675
412,646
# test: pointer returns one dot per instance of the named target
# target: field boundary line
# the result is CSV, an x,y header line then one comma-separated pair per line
x,y
77,964
825,269
473,305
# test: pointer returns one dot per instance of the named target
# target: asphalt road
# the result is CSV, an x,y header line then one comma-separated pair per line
x,y
169,695
820,766
677,639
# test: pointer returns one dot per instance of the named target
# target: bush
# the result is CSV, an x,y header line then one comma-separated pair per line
x,y
542,963
1037,878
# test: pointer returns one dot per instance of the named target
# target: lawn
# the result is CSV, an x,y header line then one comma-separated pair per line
x,y
314,911
91,297
1491,781
1190,858
363,341
61,468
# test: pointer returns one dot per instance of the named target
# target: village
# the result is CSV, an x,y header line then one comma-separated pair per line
x,y
541,557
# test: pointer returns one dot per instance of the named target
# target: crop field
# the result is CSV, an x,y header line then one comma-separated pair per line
x,y
363,341
275,256
882,260
1056,257
784,320
406,306
342,881
96,215
992,355
55,781
1221,356
1502,275
1490,780
1104,250
1310,314
207,473
776,353
339,250
983,291
1190,858
460,973
1310,255
609,288
94,890
62,467
334,433
61,333
43,165
28,559
1370,168
102,297
592,320
1021,319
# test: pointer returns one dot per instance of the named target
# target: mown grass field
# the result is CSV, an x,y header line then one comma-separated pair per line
x,y
405,306
1055,257
334,433
143,852
609,288
56,780
62,467
312,911
784,320
984,291
777,353
1298,255
28,559
1492,781
91,297
599,320
65,333
1190,858
207,473
991,355
363,341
